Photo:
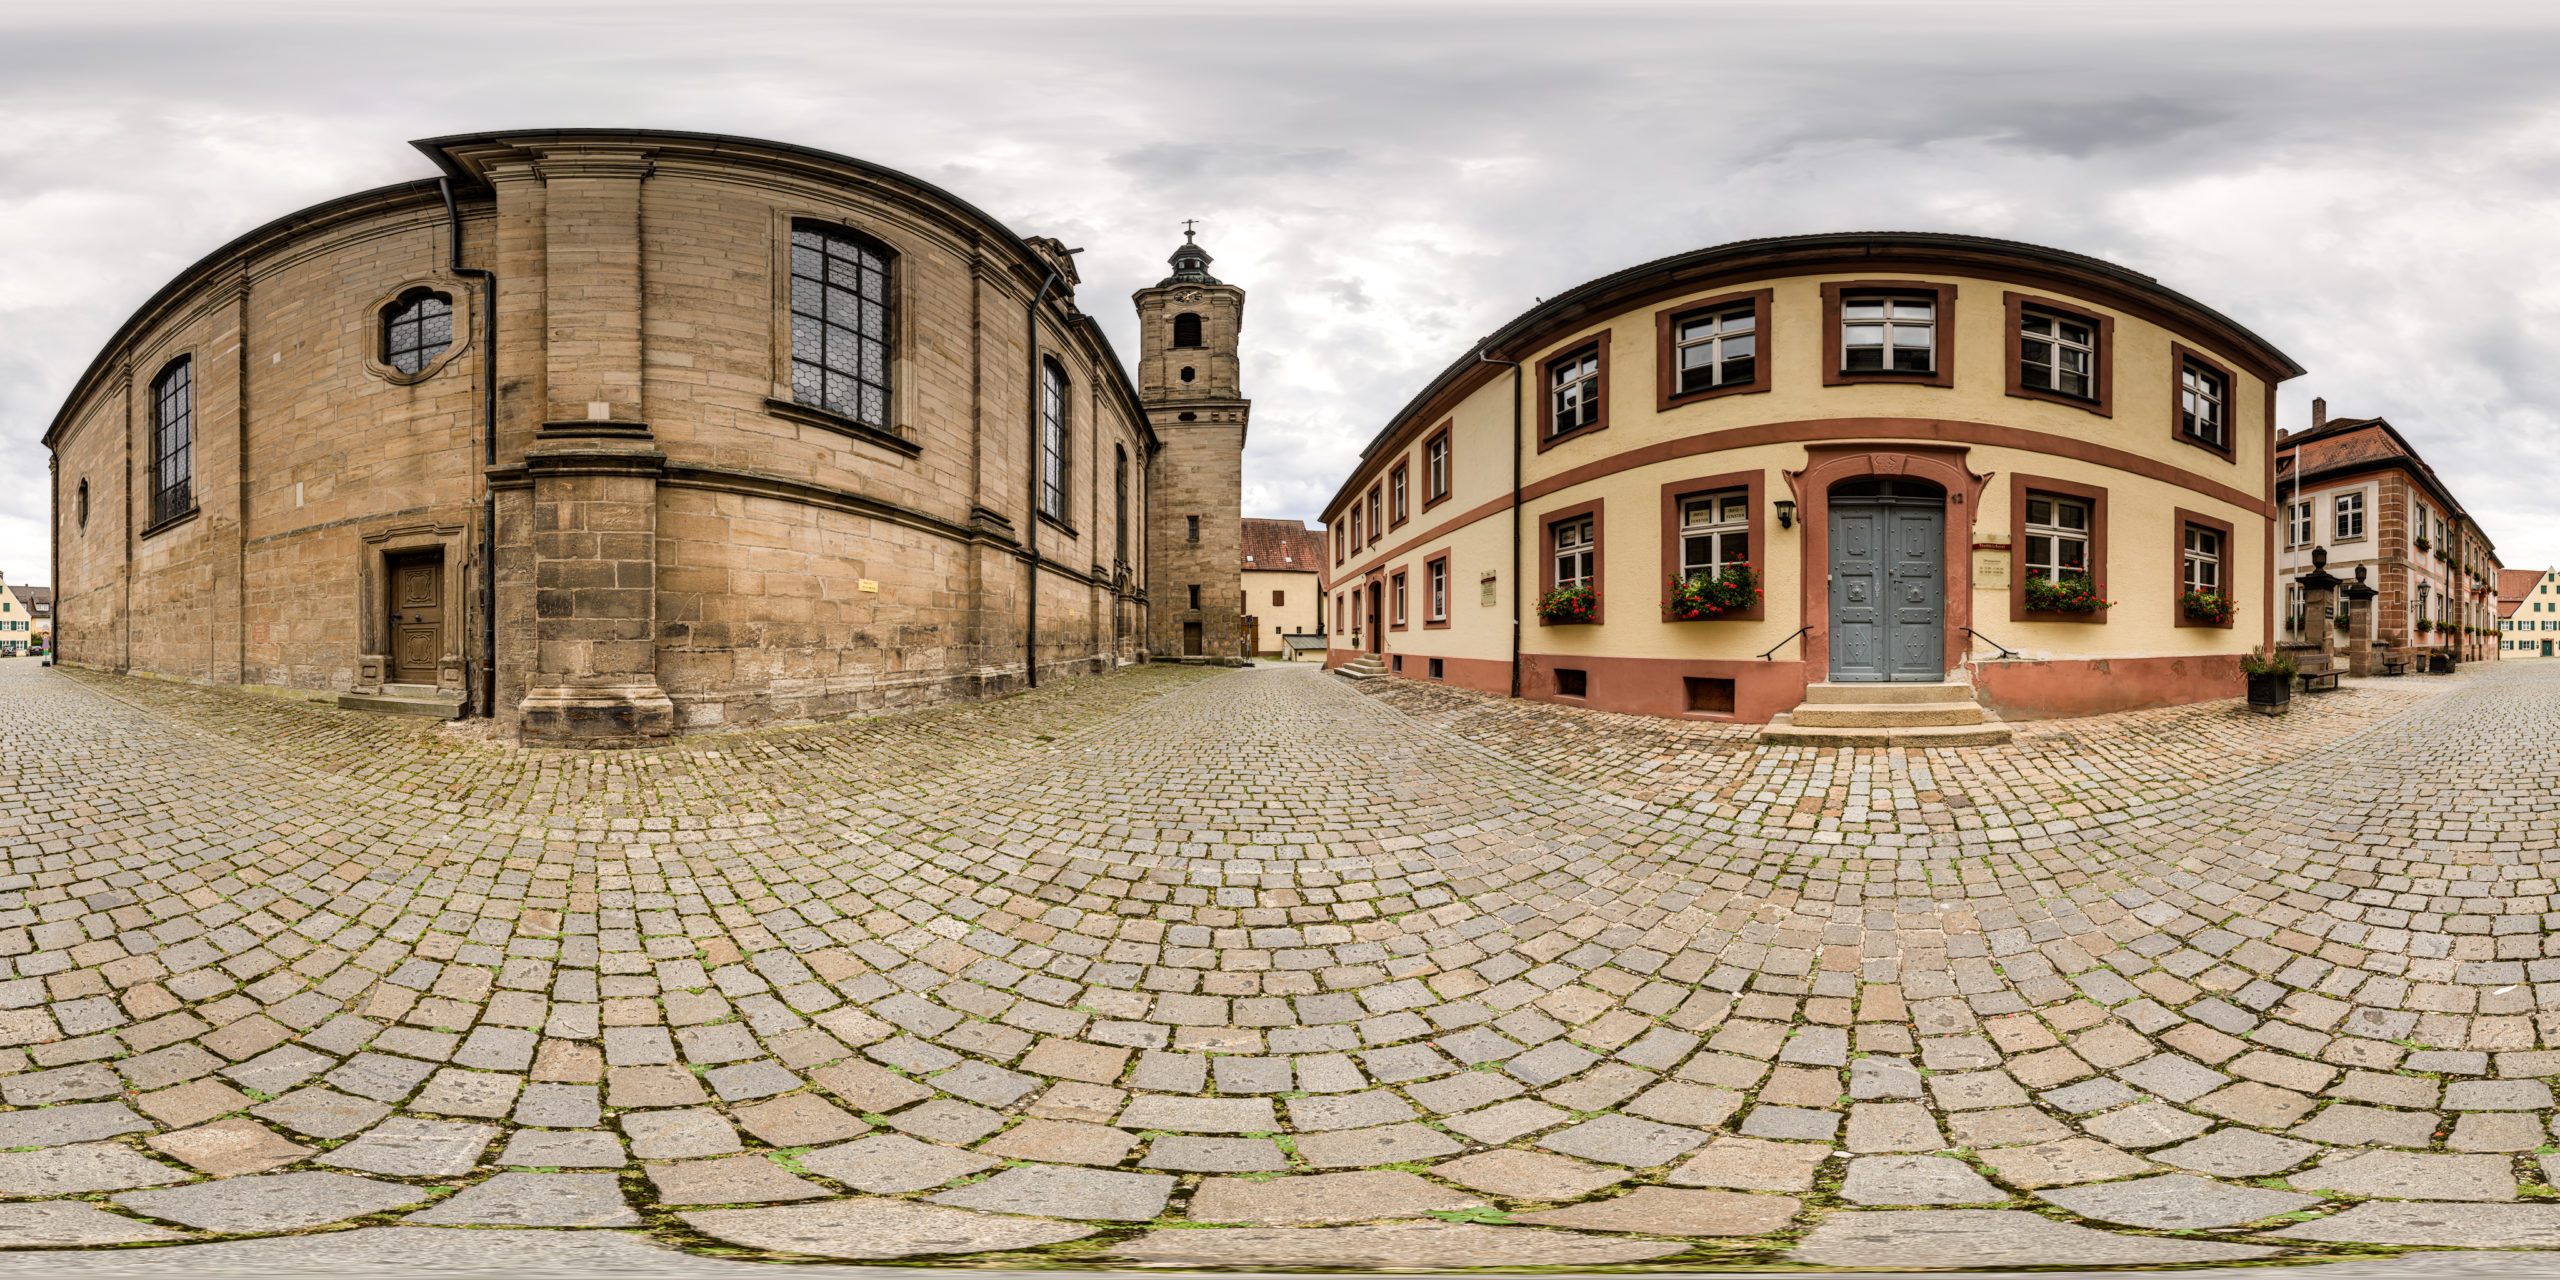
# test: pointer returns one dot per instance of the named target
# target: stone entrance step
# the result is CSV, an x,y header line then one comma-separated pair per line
x,y
1883,691
1936,714
1367,666
405,700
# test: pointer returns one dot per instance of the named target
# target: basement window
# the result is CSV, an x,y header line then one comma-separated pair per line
x,y
1435,669
1712,694
1571,683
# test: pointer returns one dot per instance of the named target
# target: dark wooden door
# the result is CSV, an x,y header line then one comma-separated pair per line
x,y
1888,585
417,616
1191,639
1377,617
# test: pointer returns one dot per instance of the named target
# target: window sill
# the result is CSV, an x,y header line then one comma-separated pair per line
x,y
1713,393
1577,433
1846,378
2222,451
171,523
1060,524
1759,613
1441,624
2089,404
794,411
1429,503
2094,617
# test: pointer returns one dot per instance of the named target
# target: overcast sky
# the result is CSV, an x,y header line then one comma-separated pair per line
x,y
2373,188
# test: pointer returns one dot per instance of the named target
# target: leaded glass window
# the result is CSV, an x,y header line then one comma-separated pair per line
x,y
1053,440
173,438
416,329
840,324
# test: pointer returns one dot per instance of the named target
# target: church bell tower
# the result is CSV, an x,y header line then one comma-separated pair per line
x,y
1188,325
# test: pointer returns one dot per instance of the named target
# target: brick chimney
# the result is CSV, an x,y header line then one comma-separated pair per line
x,y
2319,413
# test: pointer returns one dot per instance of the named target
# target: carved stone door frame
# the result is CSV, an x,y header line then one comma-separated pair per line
x,y
379,543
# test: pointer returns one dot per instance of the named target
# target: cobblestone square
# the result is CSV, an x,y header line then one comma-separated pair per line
x,y
1265,968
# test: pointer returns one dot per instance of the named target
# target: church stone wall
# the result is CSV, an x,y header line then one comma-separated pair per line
x,y
697,544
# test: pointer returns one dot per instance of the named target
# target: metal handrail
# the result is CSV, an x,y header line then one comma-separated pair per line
x,y
2005,651
1764,656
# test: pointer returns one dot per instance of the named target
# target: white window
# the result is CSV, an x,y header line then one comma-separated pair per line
x,y
1717,349
1396,483
2202,399
2297,531
2203,559
1574,391
2296,608
1715,532
1573,552
1377,514
2057,353
1435,469
2057,537
1398,593
2350,516
1888,335
1439,570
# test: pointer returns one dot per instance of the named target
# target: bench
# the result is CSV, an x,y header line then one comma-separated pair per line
x,y
2319,672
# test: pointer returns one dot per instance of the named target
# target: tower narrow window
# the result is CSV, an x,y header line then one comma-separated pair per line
x,y
1120,502
173,433
840,324
84,504
1186,330
1053,440
416,329
1195,527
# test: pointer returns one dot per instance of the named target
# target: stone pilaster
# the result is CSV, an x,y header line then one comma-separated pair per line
x,y
594,546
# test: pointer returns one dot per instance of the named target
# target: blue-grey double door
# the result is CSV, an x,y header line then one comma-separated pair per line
x,y
1888,589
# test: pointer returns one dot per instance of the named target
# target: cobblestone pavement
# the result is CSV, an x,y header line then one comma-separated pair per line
x,y
1263,970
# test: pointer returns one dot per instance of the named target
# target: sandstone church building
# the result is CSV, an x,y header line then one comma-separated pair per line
x,y
615,434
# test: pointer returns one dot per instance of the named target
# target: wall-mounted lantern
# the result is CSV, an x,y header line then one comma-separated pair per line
x,y
1786,513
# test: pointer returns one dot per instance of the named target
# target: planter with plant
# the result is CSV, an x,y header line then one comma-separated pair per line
x,y
1699,597
1569,604
2073,594
2420,542
2270,678
2214,607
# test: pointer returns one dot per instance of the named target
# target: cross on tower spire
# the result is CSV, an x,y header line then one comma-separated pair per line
x,y
1187,224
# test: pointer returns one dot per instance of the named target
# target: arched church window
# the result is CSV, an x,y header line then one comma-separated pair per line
x,y
1186,330
840,323
416,329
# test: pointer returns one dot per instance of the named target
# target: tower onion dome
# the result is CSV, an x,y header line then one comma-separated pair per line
x,y
1190,264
